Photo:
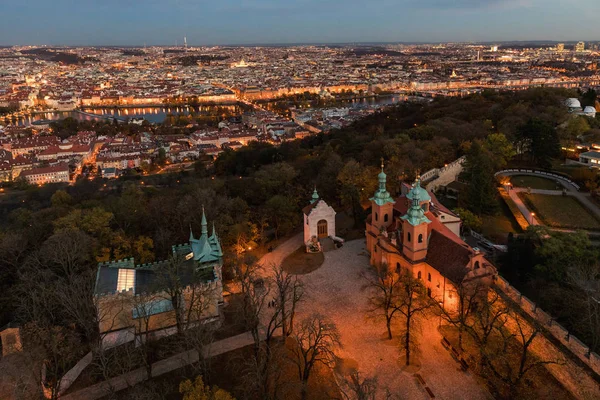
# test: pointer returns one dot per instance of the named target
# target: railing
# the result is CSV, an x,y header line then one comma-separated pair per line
x,y
540,173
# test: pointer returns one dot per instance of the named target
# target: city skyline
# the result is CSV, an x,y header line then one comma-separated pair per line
x,y
238,22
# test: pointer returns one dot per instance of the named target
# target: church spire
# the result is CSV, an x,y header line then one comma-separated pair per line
x,y
382,196
191,233
315,196
204,223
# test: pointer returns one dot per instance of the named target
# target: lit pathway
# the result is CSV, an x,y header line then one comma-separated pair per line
x,y
276,256
584,198
513,193
336,290
159,368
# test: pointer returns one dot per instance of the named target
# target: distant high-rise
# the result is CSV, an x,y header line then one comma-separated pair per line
x,y
494,48
580,47
185,42
560,47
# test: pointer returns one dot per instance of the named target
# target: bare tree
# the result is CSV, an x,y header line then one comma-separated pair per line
x,y
117,361
169,285
56,349
586,279
315,342
384,287
411,302
469,295
289,291
487,317
356,387
144,307
255,293
509,357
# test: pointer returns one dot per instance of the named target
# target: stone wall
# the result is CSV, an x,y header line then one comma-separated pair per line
x,y
558,331
535,172
442,176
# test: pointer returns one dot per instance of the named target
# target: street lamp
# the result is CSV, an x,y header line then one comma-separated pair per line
x,y
532,215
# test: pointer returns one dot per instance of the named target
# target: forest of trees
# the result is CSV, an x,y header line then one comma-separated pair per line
x,y
256,194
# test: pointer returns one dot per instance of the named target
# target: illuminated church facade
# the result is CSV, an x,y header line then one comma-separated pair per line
x,y
415,233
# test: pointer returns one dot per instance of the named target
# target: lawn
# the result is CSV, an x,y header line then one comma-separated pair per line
x,y
535,182
300,262
560,211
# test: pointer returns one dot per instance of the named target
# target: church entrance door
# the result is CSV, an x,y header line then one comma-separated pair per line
x,y
322,229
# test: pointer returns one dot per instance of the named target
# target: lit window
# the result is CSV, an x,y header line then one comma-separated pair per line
x,y
126,279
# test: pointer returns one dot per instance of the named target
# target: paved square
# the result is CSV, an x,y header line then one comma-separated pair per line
x,y
336,290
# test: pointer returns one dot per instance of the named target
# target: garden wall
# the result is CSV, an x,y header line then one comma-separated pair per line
x,y
443,176
535,172
571,342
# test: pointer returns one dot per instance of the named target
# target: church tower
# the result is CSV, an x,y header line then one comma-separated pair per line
x,y
414,223
382,204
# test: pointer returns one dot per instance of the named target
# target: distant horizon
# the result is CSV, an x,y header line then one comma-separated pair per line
x,y
246,22
282,44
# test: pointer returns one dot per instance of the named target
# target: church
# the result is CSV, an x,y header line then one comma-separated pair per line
x,y
415,233
128,293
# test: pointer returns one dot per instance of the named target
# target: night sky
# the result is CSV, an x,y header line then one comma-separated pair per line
x,y
165,22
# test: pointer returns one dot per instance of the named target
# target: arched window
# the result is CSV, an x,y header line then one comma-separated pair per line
x,y
476,264
408,236
385,218
419,274
429,292
429,277
376,217
398,267
420,238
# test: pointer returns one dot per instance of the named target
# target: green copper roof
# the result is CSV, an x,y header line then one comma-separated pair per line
x,y
418,193
382,196
415,214
315,196
206,248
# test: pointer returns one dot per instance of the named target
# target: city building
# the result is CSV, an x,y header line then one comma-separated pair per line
x,y
560,47
53,174
591,158
580,47
407,235
135,299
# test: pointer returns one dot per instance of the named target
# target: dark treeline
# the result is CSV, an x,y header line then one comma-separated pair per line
x,y
254,194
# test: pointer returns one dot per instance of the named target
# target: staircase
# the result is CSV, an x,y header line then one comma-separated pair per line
x,y
327,244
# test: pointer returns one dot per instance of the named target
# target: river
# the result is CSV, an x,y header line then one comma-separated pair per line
x,y
158,114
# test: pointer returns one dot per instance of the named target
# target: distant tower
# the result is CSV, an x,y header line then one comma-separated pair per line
x,y
580,47
560,47
185,42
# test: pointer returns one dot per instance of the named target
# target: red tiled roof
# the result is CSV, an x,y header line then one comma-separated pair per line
x,y
62,167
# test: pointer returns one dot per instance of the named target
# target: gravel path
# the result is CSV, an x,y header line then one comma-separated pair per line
x,y
336,290
276,256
